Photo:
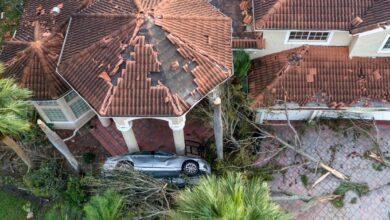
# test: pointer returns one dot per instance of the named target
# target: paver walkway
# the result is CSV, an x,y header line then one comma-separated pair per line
x,y
344,149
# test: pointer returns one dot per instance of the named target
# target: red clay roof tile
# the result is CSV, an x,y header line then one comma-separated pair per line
x,y
319,74
378,15
31,57
137,52
310,14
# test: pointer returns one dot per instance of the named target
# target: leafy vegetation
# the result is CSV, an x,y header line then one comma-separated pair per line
x,y
227,197
75,194
46,181
242,64
353,200
64,213
305,180
359,188
13,115
108,206
12,10
89,157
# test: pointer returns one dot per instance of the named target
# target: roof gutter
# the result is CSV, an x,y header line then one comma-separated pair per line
x,y
63,43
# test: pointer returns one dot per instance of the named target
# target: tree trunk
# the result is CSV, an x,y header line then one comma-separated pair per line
x,y
218,127
60,145
18,150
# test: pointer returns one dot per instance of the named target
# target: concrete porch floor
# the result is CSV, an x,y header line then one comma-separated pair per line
x,y
151,135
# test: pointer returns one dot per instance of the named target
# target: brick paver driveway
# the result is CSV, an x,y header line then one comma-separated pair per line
x,y
343,148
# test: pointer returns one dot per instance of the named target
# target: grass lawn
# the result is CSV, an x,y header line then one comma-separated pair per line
x,y
11,207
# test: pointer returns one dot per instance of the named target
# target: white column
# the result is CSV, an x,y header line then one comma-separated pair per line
x,y
128,135
216,102
106,122
177,126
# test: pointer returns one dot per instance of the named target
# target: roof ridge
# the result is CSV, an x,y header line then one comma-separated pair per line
x,y
271,11
114,34
108,15
187,17
166,4
193,47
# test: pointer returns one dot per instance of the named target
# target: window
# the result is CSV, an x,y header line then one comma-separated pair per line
x,y
311,36
70,96
79,107
54,114
386,46
47,103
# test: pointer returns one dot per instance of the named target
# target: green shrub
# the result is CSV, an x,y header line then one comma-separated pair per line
x,y
89,157
74,195
359,188
229,197
46,181
64,213
108,206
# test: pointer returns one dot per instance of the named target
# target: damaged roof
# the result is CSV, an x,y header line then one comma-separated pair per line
x,y
350,15
319,75
31,56
147,57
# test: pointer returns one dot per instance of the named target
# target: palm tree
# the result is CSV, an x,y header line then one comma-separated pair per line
x,y
108,206
230,197
13,112
242,63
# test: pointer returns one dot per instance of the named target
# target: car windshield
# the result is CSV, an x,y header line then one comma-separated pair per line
x,y
163,153
143,153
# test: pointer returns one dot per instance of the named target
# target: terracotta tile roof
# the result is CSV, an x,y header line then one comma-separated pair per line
x,y
376,16
251,40
248,43
309,14
114,6
197,8
31,57
147,64
40,10
319,74
197,32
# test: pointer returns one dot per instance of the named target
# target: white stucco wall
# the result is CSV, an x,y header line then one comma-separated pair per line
x,y
310,114
369,44
276,41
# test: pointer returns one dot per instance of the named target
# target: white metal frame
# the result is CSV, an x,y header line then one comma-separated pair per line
x,y
381,50
63,105
309,42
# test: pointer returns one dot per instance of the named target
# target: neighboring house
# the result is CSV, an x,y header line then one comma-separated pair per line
x,y
127,59
322,59
32,55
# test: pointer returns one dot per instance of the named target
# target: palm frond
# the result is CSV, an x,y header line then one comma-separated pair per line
x,y
14,107
230,197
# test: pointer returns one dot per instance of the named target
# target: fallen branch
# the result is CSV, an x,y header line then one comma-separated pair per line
x,y
335,172
320,179
379,156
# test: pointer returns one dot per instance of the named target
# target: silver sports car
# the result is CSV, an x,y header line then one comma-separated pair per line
x,y
158,163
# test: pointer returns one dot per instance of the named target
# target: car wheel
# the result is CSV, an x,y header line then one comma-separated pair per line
x,y
125,166
190,168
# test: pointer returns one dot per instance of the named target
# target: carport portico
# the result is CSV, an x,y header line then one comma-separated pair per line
x,y
125,126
